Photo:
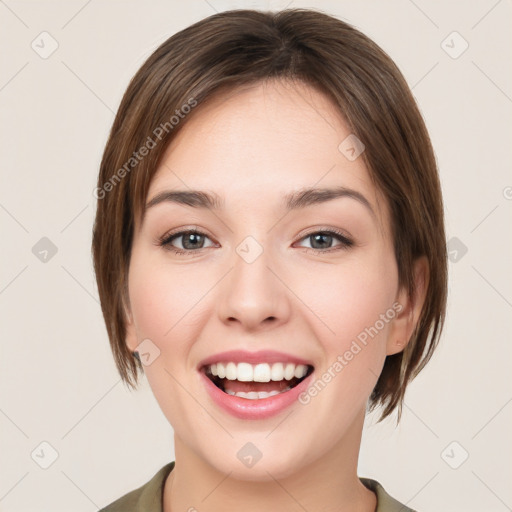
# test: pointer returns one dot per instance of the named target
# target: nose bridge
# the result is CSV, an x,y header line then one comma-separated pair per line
x,y
252,293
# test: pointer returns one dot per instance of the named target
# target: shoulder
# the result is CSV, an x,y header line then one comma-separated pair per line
x,y
385,502
146,498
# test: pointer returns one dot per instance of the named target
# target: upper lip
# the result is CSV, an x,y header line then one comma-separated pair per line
x,y
261,356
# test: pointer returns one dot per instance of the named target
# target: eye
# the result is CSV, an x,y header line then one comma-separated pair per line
x,y
192,241
320,240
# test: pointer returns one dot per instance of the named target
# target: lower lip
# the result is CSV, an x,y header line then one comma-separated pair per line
x,y
259,409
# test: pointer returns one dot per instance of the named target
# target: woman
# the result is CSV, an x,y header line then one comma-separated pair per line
x,y
269,248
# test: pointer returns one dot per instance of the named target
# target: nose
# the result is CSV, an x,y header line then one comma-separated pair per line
x,y
253,295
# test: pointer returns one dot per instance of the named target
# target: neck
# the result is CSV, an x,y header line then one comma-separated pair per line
x,y
328,483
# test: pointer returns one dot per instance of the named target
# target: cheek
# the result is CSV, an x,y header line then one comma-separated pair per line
x,y
354,302
150,298
165,301
165,306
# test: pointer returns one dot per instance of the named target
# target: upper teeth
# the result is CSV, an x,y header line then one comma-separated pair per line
x,y
262,372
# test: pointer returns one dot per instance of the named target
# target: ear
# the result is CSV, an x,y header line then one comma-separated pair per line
x,y
131,331
404,323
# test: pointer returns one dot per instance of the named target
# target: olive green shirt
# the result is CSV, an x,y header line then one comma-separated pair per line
x,y
149,497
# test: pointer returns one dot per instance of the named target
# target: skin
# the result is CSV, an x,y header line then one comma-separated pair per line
x,y
253,147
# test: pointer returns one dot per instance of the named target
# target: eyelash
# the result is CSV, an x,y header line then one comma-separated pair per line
x,y
165,241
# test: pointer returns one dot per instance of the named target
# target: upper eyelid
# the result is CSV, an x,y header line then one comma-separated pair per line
x,y
183,231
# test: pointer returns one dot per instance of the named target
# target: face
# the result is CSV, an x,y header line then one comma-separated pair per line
x,y
313,286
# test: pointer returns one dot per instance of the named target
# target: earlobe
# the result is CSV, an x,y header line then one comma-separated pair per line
x,y
394,346
404,324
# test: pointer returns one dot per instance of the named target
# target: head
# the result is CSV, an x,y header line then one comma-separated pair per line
x,y
253,107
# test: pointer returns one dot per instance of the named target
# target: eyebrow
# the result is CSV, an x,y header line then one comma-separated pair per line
x,y
292,201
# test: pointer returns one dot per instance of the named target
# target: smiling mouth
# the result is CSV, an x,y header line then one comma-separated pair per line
x,y
256,382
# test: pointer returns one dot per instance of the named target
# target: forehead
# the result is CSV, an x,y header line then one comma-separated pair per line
x,y
254,145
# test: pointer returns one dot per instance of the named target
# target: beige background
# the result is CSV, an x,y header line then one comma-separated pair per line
x,y
58,380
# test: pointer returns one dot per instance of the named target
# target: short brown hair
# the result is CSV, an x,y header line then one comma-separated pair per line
x,y
232,49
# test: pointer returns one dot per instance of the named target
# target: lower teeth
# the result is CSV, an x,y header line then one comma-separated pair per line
x,y
253,395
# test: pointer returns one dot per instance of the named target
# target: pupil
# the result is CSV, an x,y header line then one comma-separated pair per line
x,y
325,236
187,238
